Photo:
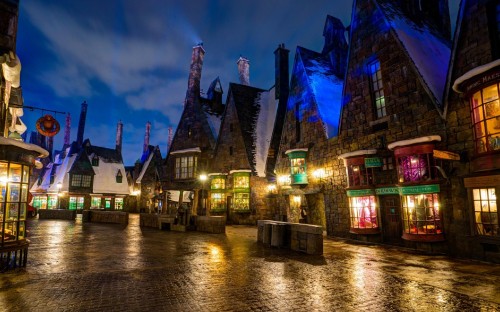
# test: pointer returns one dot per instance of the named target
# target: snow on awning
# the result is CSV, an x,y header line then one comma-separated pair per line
x,y
30,147
472,73
425,139
240,170
358,153
216,174
187,150
296,150
174,195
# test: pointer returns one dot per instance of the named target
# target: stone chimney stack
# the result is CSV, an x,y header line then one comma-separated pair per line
x,y
193,91
244,70
119,137
81,124
67,131
146,137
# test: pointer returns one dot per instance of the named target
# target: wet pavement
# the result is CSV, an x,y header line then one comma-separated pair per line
x,y
106,267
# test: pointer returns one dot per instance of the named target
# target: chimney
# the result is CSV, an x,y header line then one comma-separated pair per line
x,y
119,137
244,70
193,91
146,137
281,70
50,146
170,137
81,124
67,131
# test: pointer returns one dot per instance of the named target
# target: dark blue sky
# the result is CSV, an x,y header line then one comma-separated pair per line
x,y
130,59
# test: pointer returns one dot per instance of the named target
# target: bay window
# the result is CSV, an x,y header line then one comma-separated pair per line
x,y
485,112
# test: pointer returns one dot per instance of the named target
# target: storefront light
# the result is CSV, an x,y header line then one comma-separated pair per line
x,y
296,199
271,188
3,180
319,173
284,179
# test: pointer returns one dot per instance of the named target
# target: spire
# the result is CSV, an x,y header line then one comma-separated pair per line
x,y
119,137
244,70
170,137
81,123
67,131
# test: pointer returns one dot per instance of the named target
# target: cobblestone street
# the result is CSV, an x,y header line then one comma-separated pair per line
x,y
105,267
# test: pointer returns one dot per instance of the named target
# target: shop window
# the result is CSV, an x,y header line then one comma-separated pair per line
x,y
298,166
53,200
388,163
241,202
76,202
217,202
377,88
359,175
421,215
95,202
418,165
363,213
119,203
218,183
485,113
40,202
241,181
107,202
185,167
485,211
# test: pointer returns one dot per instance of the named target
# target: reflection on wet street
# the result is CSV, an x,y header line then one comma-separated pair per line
x,y
75,266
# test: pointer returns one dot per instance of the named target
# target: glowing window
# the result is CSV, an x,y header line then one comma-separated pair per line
x,y
118,203
185,167
217,202
363,212
218,183
485,211
76,202
377,88
421,214
95,202
485,111
241,201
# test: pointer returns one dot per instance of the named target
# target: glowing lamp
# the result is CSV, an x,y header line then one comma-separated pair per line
x,y
203,177
296,199
271,188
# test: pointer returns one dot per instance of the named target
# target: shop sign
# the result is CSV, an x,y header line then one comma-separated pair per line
x,y
371,162
419,189
445,155
387,190
486,78
359,193
483,181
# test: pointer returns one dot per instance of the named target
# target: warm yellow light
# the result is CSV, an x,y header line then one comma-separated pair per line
x,y
59,186
4,180
355,169
136,193
319,173
203,177
271,187
284,179
296,199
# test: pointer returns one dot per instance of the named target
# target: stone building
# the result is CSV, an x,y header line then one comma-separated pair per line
x,y
311,121
193,142
473,130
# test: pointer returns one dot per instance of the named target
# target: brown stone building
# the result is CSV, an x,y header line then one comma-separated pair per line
x,y
473,130
193,143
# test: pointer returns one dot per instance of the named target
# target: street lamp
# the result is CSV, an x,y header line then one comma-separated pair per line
x,y
203,178
59,186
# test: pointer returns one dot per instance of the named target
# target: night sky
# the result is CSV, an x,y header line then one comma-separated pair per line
x,y
130,59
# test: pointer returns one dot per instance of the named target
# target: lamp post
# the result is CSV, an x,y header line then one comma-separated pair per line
x,y
59,186
203,178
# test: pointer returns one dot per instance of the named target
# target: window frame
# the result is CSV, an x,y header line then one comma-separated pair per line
x,y
479,228
485,118
374,72
186,167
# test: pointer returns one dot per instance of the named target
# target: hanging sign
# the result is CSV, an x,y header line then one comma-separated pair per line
x,y
445,155
47,126
371,162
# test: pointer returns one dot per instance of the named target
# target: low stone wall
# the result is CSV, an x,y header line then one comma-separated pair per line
x,y
148,220
61,214
211,224
119,217
301,237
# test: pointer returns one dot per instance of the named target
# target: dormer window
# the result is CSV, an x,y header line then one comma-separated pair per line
x,y
95,161
119,176
298,167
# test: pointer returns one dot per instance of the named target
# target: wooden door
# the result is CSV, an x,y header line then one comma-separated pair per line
x,y
391,218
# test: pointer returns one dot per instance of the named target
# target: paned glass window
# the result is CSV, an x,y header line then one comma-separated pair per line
x,y
76,202
241,181
185,167
118,203
421,214
78,180
363,212
217,202
417,166
485,211
485,112
377,88
95,202
218,183
241,201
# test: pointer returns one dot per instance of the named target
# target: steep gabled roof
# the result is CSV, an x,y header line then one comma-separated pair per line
x,y
214,117
256,111
426,47
325,87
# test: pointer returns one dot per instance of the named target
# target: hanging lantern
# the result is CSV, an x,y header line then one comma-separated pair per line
x,y
47,126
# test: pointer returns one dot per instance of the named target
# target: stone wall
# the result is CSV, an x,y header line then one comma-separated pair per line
x,y
107,216
62,214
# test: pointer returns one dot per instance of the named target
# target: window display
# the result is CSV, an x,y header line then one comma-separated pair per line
x,y
421,214
485,112
217,202
485,211
363,212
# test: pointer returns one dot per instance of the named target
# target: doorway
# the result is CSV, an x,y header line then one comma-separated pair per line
x,y
391,219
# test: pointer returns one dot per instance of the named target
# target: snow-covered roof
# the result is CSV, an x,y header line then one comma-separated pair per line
x,y
27,146
187,150
144,168
358,153
105,177
472,73
61,175
425,139
264,129
214,121
326,88
427,49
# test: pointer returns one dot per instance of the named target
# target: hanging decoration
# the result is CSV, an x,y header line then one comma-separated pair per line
x,y
47,126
